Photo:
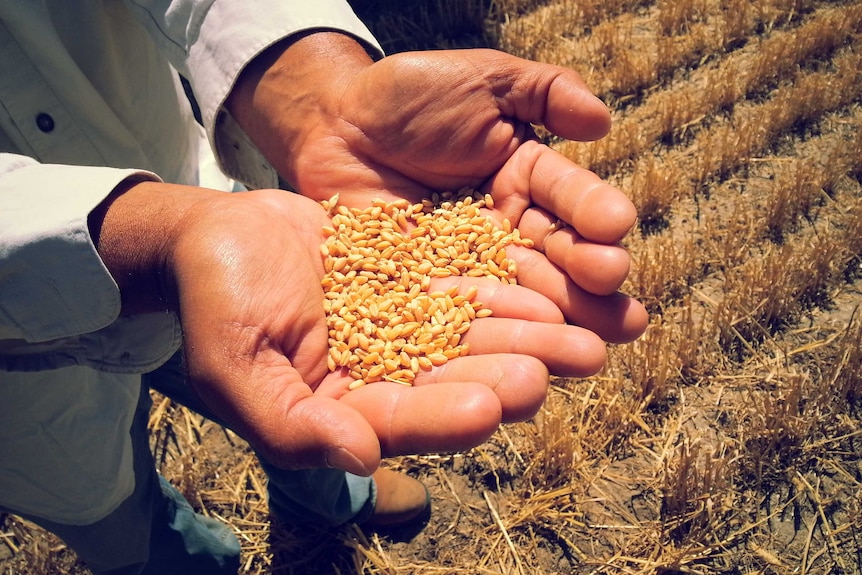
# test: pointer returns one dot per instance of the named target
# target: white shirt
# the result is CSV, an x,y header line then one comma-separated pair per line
x,y
90,96
103,74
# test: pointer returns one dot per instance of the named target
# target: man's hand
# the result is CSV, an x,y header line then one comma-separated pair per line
x,y
243,271
333,121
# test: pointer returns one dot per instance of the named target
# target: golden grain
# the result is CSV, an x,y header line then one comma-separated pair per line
x,y
384,324
438,359
375,371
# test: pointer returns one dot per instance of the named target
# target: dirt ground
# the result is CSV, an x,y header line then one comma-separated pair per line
x,y
725,440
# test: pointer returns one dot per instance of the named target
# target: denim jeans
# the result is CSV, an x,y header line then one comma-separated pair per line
x,y
156,532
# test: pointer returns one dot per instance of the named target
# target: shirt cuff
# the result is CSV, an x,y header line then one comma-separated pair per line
x,y
53,284
228,49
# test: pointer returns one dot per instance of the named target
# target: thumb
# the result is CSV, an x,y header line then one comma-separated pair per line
x,y
276,412
549,95
320,432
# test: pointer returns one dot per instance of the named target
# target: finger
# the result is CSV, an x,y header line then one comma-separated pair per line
x,y
538,175
598,268
566,350
447,417
616,318
505,300
520,382
539,307
549,95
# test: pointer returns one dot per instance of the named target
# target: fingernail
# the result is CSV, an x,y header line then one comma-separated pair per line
x,y
341,458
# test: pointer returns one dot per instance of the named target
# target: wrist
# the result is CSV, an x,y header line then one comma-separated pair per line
x,y
292,88
135,230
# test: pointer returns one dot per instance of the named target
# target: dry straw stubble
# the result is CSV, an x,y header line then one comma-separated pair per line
x,y
384,320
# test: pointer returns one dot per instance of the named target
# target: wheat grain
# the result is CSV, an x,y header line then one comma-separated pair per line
x,y
383,322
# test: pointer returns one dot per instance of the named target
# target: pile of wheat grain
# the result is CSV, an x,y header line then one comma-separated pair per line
x,y
384,321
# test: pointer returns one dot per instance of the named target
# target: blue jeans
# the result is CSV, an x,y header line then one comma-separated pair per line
x,y
156,532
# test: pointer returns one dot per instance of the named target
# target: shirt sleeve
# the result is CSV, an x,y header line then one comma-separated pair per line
x,y
53,284
211,41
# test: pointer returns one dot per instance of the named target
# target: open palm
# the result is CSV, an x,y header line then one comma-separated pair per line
x,y
407,126
415,123
248,272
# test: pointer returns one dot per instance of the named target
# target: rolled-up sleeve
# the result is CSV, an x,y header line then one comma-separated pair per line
x,y
53,284
211,41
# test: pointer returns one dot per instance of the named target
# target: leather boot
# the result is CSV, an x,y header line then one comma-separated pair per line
x,y
401,500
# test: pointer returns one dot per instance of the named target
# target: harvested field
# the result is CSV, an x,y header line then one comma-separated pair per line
x,y
728,439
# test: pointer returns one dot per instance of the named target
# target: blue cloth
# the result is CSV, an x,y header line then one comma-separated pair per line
x,y
156,532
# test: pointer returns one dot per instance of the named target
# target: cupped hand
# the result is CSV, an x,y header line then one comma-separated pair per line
x,y
416,123
248,272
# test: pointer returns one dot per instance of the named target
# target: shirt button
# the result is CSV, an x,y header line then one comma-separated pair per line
x,y
45,122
